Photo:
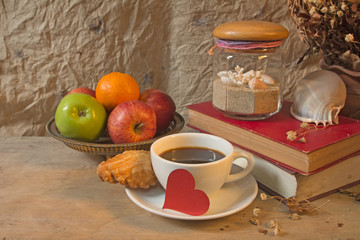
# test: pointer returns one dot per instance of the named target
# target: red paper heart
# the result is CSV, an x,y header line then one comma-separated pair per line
x,y
182,196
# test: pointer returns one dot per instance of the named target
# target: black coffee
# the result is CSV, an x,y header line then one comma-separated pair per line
x,y
192,155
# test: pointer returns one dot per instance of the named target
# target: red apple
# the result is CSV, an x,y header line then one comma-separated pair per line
x,y
131,121
163,106
85,90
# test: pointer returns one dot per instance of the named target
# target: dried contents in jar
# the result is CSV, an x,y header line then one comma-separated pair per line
x,y
252,92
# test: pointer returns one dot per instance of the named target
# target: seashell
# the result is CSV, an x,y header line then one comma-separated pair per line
x,y
250,74
258,73
319,97
257,84
239,78
231,75
238,69
225,80
222,74
267,79
131,168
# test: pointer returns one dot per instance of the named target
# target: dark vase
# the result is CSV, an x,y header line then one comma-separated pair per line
x,y
352,83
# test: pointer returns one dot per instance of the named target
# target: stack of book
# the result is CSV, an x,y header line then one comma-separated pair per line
x,y
328,160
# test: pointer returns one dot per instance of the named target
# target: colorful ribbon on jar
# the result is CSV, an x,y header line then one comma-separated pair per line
x,y
244,45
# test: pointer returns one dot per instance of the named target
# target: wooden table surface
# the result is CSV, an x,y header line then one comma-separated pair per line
x,y
49,191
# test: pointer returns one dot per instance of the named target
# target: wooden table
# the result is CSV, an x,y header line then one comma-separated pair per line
x,y
49,191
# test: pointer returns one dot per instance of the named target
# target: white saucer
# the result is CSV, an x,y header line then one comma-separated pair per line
x,y
231,198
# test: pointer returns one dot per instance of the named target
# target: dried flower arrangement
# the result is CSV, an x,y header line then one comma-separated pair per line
x,y
331,28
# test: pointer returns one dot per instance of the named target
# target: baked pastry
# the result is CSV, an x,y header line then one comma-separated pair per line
x,y
131,168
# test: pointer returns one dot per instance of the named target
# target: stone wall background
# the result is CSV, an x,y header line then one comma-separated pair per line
x,y
49,47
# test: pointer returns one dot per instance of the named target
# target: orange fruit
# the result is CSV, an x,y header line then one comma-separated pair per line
x,y
115,88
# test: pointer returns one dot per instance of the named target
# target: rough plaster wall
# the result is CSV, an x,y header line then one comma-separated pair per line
x,y
48,48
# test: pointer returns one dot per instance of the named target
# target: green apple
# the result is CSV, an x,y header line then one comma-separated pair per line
x,y
80,117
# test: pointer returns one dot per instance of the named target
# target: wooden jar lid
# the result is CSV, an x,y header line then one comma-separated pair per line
x,y
251,31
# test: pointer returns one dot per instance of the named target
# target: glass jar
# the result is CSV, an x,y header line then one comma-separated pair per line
x,y
248,69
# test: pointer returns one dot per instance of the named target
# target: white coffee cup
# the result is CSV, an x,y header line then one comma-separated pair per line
x,y
209,177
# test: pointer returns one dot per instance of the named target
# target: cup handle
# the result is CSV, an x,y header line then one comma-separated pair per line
x,y
246,171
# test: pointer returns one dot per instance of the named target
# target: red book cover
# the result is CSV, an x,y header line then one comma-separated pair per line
x,y
275,127
285,167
